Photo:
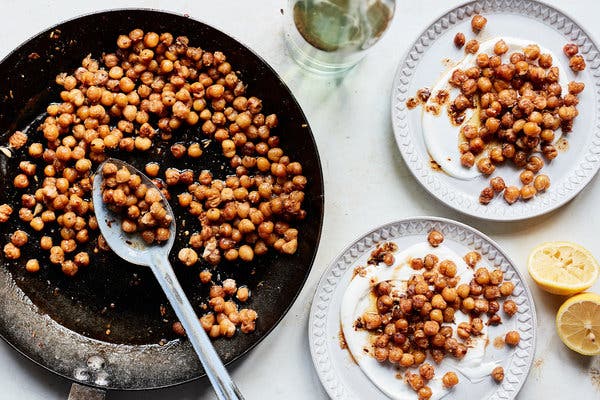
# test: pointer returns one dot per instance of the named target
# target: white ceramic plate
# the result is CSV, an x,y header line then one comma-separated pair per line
x,y
342,377
570,172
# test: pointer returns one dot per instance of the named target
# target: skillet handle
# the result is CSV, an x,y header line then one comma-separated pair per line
x,y
80,392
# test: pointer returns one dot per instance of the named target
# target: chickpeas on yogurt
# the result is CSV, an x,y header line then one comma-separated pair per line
x,y
406,325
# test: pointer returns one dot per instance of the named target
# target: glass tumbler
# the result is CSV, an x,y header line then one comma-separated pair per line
x,y
331,36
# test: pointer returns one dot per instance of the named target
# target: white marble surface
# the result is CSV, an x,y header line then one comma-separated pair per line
x,y
366,184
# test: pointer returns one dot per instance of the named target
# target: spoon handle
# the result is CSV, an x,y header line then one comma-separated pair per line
x,y
222,383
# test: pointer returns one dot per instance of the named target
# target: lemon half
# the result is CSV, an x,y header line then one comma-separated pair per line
x,y
563,268
578,323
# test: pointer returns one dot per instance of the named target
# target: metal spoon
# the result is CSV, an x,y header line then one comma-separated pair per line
x,y
132,248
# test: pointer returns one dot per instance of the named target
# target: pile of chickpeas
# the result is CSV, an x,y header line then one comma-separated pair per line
x,y
405,327
140,206
521,106
224,316
129,102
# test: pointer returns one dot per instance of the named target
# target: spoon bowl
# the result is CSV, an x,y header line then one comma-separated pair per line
x,y
129,246
132,248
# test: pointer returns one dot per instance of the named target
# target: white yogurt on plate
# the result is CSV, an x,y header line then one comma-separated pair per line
x,y
441,135
357,300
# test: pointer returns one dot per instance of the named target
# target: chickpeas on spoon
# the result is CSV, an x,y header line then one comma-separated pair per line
x,y
152,250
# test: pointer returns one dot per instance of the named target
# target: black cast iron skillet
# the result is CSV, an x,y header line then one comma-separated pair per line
x,y
104,327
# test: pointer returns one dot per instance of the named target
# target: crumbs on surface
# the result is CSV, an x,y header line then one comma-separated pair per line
x,y
499,342
441,97
420,98
595,377
434,165
412,102
342,339
433,109
360,271
562,144
383,253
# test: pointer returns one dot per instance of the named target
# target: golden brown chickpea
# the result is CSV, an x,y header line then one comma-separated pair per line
x,y
32,266
486,195
507,288
188,256
478,23
498,374
19,238
576,87
21,181
11,251
472,46
526,177
570,49
545,60
510,307
194,150
541,183
435,238
500,47
46,243
472,258
532,129
467,159
205,276
82,259
511,194
532,51
512,338
447,268
407,360
481,306
485,166
577,63
426,371
246,253
459,40
424,393
450,379
415,381
37,224
528,192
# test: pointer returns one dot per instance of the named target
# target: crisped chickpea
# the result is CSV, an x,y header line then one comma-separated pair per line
x,y
541,183
506,289
485,166
512,338
435,238
526,177
424,393
32,266
407,360
467,159
570,49
426,371
500,47
511,194
11,251
472,46
415,381
459,40
528,192
577,63
478,22
510,307
498,374
450,379
486,195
